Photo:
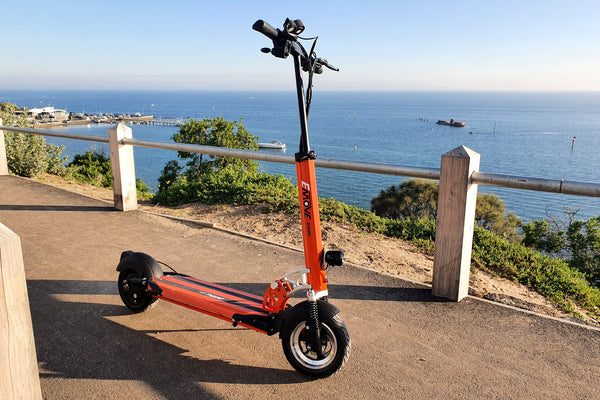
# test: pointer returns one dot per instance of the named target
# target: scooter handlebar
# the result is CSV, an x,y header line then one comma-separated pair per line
x,y
266,29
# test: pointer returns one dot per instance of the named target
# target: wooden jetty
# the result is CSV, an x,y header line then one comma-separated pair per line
x,y
146,120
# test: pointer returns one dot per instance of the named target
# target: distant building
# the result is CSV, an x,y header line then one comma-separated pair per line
x,y
47,114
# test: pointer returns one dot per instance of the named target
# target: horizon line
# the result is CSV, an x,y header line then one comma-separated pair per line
x,y
320,91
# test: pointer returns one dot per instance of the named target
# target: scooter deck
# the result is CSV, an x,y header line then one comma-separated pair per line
x,y
209,298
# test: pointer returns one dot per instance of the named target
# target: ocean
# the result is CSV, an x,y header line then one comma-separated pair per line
x,y
516,133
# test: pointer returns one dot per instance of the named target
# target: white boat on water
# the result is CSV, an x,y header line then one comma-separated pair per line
x,y
272,145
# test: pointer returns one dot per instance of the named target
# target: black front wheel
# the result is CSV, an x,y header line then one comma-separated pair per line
x,y
335,347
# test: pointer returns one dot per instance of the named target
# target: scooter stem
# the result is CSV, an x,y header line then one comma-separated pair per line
x,y
309,201
304,148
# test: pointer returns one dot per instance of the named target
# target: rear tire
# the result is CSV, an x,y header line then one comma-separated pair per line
x,y
134,296
335,347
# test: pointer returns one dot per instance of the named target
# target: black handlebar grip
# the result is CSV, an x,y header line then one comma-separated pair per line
x,y
266,29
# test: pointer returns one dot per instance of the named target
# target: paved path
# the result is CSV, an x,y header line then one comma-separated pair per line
x,y
406,344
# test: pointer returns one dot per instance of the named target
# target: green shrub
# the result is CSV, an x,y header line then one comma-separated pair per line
x,y
29,155
144,192
551,277
94,168
26,154
418,199
231,186
578,242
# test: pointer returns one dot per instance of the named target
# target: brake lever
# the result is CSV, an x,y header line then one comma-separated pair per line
x,y
324,63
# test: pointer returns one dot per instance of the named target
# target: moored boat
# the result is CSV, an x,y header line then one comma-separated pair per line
x,y
276,144
452,122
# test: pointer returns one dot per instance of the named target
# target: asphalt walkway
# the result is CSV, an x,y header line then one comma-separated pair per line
x,y
406,344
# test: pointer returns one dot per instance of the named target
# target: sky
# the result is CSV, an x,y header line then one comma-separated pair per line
x,y
432,45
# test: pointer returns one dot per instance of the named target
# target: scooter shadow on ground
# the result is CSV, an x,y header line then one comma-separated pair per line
x,y
380,287
77,340
358,292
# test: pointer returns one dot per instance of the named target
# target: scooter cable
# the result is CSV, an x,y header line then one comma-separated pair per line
x,y
168,266
311,71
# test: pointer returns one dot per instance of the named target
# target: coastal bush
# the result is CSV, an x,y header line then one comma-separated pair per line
x,y
230,186
551,277
12,115
418,199
93,167
578,242
26,154
29,155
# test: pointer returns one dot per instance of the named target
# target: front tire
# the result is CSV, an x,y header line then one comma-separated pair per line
x,y
335,347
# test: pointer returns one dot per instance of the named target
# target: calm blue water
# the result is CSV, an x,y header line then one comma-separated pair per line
x,y
527,134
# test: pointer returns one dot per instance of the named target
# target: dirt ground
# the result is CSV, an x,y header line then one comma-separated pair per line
x,y
376,252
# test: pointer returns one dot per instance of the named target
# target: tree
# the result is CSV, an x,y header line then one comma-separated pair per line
x,y
490,214
209,132
418,198
413,199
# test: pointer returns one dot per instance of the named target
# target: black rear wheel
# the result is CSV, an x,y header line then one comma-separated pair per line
x,y
134,296
335,347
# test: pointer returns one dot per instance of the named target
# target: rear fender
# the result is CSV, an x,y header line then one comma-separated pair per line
x,y
142,263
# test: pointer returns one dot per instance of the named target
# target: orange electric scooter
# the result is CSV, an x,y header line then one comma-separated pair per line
x,y
314,338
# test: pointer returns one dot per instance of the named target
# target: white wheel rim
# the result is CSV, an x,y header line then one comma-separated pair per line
x,y
307,357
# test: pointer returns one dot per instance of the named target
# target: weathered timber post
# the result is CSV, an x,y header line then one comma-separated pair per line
x,y
455,222
3,161
123,169
19,376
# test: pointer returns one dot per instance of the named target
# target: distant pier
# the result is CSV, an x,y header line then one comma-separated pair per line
x,y
144,120
84,119
156,122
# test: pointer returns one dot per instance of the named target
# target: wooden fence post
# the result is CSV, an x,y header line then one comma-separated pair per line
x,y
455,222
19,376
123,169
3,161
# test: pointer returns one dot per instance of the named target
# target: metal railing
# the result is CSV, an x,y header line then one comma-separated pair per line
x,y
458,175
480,178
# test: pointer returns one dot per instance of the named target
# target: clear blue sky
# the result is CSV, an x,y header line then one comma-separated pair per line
x,y
378,45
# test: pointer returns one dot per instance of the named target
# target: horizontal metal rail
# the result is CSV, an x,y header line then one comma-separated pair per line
x,y
45,132
537,184
212,150
376,168
481,178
